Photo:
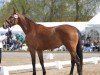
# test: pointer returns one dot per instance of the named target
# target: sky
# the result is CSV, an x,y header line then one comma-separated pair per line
x,y
2,2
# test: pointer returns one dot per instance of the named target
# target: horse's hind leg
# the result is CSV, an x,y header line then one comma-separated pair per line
x,y
72,66
79,67
75,59
40,54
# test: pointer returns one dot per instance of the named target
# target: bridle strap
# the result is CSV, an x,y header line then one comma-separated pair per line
x,y
11,22
9,25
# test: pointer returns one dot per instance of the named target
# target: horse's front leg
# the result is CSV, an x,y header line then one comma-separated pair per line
x,y
40,54
33,57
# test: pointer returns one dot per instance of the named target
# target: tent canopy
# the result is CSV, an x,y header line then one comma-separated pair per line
x,y
80,25
95,19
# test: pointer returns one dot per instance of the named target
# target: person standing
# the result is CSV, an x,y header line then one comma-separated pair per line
x,y
1,47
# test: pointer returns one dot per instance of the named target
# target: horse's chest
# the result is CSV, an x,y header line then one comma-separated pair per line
x,y
31,41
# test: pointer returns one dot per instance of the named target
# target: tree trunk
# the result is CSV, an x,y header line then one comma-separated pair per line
x,y
77,10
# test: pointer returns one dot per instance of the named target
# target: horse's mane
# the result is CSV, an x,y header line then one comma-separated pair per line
x,y
29,19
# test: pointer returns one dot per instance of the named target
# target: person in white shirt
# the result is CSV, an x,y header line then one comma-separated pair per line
x,y
1,45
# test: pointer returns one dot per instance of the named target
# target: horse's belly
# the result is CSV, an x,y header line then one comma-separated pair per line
x,y
51,44
44,43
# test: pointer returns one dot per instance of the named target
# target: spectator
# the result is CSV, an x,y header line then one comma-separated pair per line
x,y
0,51
9,39
88,47
3,41
14,46
20,41
92,46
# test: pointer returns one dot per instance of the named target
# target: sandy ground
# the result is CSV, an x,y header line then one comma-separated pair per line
x,y
88,69
22,58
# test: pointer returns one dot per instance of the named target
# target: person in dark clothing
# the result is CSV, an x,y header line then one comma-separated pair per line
x,y
9,38
87,44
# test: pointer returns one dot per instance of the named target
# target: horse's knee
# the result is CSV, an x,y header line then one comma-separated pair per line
x,y
76,59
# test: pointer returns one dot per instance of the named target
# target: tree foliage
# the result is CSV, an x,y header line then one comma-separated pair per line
x,y
51,10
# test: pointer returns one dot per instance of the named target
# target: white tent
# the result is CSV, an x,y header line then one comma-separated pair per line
x,y
13,28
95,19
80,25
94,26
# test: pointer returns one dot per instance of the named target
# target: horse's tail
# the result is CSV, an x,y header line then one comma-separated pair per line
x,y
79,49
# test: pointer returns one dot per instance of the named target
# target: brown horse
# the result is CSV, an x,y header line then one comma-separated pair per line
x,y
39,38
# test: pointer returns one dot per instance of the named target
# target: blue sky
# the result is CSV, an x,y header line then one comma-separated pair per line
x,y
1,2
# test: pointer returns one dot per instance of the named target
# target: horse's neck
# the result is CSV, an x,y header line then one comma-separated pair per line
x,y
27,25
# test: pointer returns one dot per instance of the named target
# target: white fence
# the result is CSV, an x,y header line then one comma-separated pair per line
x,y
4,70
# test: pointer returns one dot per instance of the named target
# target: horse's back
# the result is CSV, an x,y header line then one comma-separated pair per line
x,y
66,27
66,30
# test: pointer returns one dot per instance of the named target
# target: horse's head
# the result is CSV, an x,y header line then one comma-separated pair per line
x,y
12,20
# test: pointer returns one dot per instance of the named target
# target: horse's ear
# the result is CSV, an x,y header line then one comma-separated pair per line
x,y
14,10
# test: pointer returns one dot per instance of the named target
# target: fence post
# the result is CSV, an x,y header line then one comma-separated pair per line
x,y
94,60
4,70
58,65
50,56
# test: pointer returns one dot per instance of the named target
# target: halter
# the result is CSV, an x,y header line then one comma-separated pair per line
x,y
11,22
